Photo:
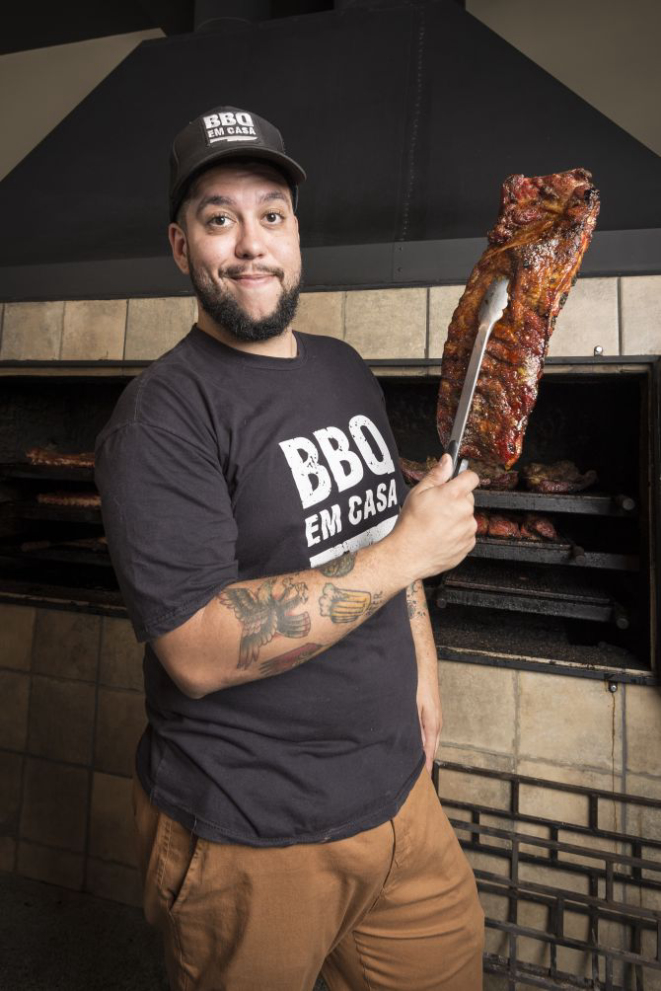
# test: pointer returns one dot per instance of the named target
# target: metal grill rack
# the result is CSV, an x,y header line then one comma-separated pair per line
x,y
616,900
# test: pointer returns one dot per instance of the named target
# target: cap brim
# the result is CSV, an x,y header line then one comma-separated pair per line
x,y
292,169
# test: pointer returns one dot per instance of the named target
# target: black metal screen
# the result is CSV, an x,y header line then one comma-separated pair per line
x,y
576,904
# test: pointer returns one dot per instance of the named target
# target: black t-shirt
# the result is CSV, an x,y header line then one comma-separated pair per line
x,y
218,466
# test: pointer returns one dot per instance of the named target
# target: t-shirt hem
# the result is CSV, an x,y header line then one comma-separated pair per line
x,y
218,834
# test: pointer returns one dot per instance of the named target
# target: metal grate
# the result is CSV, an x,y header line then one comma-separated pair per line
x,y
604,933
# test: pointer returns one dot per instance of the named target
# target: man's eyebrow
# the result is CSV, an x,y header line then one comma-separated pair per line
x,y
216,200
276,194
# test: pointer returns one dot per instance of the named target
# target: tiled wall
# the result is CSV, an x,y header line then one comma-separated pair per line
x,y
71,683
72,713
622,316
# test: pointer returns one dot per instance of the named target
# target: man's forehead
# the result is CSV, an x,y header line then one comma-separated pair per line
x,y
233,173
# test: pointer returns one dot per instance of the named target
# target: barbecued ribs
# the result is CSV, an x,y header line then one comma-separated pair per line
x,y
543,229
490,476
563,476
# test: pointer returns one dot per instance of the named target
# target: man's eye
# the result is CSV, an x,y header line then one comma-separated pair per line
x,y
274,217
219,220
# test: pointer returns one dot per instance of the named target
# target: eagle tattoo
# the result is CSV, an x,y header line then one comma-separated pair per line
x,y
264,614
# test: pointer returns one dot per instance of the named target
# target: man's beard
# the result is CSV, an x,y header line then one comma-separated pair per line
x,y
228,314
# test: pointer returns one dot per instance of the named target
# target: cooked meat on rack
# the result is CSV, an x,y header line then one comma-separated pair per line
x,y
414,471
532,526
561,477
503,527
494,478
82,499
490,477
48,456
482,520
543,229
538,527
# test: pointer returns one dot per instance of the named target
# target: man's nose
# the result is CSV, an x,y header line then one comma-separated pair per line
x,y
249,243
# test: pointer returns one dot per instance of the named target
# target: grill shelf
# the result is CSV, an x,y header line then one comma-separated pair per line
x,y
548,604
64,514
549,553
57,472
590,504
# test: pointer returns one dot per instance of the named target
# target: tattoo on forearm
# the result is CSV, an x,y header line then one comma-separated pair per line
x,y
338,567
292,659
343,605
415,609
264,613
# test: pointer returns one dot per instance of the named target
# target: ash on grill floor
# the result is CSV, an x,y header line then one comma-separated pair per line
x,y
52,939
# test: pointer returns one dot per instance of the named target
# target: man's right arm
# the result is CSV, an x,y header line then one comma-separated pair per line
x,y
262,627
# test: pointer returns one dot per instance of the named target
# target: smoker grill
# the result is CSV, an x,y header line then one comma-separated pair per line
x,y
587,604
584,604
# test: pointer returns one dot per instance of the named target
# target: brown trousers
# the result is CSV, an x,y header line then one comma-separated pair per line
x,y
394,908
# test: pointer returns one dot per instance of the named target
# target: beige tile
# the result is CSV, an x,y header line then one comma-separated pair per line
x,y
120,723
641,314
111,825
495,940
587,320
478,706
7,853
154,326
45,863
14,692
643,729
644,820
66,644
387,323
11,767
551,803
120,661
61,720
113,881
54,804
93,329
475,788
17,625
443,301
32,330
570,720
320,313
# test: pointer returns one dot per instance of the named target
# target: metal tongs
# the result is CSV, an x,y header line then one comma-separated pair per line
x,y
492,308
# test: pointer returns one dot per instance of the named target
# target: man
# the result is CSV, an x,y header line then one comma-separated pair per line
x,y
251,497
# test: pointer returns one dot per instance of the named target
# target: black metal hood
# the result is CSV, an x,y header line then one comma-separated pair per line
x,y
407,117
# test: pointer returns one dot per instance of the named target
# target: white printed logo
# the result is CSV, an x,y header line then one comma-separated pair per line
x,y
343,469
229,127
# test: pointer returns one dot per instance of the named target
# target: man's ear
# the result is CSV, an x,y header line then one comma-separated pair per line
x,y
179,245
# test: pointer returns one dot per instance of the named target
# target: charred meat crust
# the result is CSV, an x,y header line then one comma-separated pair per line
x,y
538,242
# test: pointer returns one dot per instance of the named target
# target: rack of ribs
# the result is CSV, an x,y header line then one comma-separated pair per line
x,y
542,232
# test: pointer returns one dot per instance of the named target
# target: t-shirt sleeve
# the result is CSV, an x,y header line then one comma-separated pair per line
x,y
168,519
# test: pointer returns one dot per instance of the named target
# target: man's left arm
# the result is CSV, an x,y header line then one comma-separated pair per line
x,y
428,695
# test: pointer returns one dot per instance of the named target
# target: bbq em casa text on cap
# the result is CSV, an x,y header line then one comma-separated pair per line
x,y
224,133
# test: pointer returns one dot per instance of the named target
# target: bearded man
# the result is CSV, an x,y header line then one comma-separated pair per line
x,y
271,562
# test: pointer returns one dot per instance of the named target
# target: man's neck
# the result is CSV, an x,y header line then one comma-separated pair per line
x,y
282,346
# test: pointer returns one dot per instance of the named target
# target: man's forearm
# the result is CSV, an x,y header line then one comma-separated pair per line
x,y
265,626
428,696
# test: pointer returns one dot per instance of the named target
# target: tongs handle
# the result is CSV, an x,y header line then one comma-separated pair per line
x,y
458,464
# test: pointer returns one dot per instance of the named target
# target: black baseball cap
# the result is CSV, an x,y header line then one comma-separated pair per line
x,y
220,134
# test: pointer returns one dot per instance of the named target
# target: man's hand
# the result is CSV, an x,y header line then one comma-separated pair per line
x,y
431,717
436,527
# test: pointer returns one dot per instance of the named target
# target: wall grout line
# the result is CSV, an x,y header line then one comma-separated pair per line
x,y
126,329
90,773
428,319
59,355
620,324
24,754
3,307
